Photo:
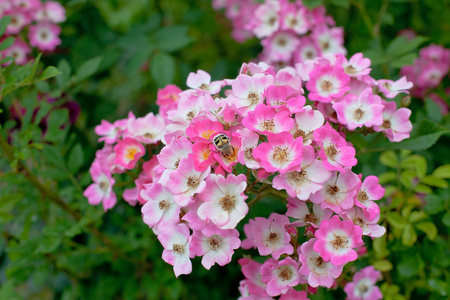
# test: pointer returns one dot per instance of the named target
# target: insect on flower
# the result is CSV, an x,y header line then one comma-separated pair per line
x,y
222,142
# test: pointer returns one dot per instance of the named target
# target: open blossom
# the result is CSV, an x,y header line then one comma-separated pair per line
x,y
363,285
128,151
44,36
318,272
216,248
369,227
279,275
357,111
327,82
202,80
335,153
338,192
265,119
270,235
252,272
391,89
101,190
160,210
248,90
224,200
299,210
281,153
147,130
369,191
306,122
175,241
336,241
396,124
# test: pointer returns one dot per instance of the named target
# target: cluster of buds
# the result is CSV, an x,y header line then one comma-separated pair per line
x,y
427,73
228,144
289,31
34,19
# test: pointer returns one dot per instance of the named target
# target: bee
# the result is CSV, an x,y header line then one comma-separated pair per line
x,y
222,142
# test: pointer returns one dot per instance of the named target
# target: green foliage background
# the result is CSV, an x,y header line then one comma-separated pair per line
x,y
115,54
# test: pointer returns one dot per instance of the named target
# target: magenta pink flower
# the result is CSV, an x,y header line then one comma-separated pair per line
x,y
293,294
224,200
160,210
369,227
265,19
252,272
128,152
281,153
280,46
369,191
285,96
216,248
147,130
334,152
249,142
265,119
202,81
391,89
295,18
19,51
270,235
170,156
306,122
203,130
358,66
338,192
279,275
363,285
19,19
50,11
318,272
202,156
336,240
358,111
101,190
396,124
299,210
44,36
327,83
175,241
186,181
306,181
248,90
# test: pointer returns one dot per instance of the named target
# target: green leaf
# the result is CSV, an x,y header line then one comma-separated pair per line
x,y
446,219
66,71
312,3
423,189
5,217
442,171
389,159
429,228
172,38
341,3
424,135
434,181
400,45
8,42
433,111
7,202
75,160
383,265
4,22
409,235
415,162
379,246
48,244
411,264
396,220
416,216
88,68
434,204
49,72
407,59
57,125
387,177
53,155
162,68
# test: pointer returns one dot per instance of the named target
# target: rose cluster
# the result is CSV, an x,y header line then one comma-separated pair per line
x,y
33,19
289,31
427,73
227,144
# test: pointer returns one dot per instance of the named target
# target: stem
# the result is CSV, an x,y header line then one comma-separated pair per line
x,y
54,197
381,13
362,10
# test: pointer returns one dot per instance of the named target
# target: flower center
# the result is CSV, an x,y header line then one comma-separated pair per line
x,y
358,221
205,154
310,218
207,134
319,262
148,135
298,176
204,87
326,85
282,42
339,242
131,152
362,289
272,21
248,153
386,124
331,151
253,97
359,113
104,185
227,203
280,154
350,70
176,164
178,249
164,205
192,182
273,237
332,189
214,242
191,115
300,133
268,125
362,196
285,273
